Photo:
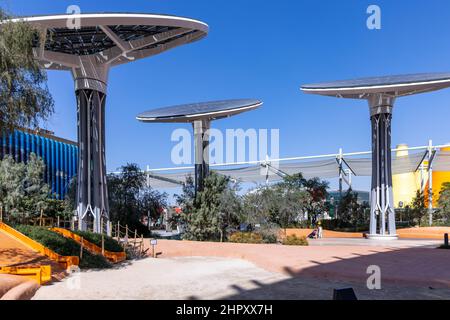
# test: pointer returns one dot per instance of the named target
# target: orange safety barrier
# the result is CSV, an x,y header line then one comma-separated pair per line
x,y
114,257
41,275
65,261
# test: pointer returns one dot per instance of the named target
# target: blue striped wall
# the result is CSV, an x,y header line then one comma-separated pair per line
x,y
60,158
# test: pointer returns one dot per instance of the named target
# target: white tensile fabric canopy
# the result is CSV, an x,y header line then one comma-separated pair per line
x,y
330,167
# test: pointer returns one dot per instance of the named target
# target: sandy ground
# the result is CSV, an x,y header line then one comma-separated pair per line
x,y
212,278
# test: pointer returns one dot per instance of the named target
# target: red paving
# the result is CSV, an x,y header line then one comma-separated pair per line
x,y
408,266
436,233
424,233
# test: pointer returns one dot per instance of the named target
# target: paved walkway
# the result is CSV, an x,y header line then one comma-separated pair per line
x,y
436,233
401,243
213,278
410,269
401,262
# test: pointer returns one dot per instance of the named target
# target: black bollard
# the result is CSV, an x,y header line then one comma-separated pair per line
x,y
344,294
446,239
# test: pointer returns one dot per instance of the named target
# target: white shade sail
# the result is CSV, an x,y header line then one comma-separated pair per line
x,y
359,164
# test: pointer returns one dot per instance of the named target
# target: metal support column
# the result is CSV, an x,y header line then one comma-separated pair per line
x,y
341,173
92,194
267,164
430,181
201,140
382,214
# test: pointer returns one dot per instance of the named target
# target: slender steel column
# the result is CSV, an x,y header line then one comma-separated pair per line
x,y
382,214
92,193
201,141
430,182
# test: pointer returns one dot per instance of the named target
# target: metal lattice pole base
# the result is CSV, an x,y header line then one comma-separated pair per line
x,y
382,214
201,137
92,194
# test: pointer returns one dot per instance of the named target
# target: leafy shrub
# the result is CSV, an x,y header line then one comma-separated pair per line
x,y
269,238
294,240
269,233
246,237
63,246
95,238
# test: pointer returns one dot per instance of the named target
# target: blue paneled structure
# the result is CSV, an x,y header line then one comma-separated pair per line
x,y
60,155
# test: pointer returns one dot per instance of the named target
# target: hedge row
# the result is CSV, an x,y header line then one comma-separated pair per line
x,y
63,246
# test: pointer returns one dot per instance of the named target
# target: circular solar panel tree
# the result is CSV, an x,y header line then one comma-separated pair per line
x,y
88,49
200,115
381,93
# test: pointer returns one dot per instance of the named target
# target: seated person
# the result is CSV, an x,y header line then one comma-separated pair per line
x,y
314,234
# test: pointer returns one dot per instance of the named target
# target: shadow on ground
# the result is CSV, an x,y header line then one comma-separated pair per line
x,y
408,273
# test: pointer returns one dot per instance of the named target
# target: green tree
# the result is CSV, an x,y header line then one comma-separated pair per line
x,y
258,206
36,191
317,189
22,190
186,200
11,186
351,212
206,216
150,203
24,97
418,207
123,190
70,201
130,200
293,202
444,201
230,208
58,208
283,204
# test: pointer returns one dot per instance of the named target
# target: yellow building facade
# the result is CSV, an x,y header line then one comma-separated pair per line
x,y
405,185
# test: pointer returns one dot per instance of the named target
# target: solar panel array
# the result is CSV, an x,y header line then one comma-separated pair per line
x,y
191,109
380,81
92,40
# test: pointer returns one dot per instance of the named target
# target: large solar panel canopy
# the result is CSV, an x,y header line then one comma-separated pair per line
x,y
111,38
200,111
399,85
381,93
200,115
88,45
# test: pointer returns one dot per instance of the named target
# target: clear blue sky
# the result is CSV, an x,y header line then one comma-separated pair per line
x,y
266,50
